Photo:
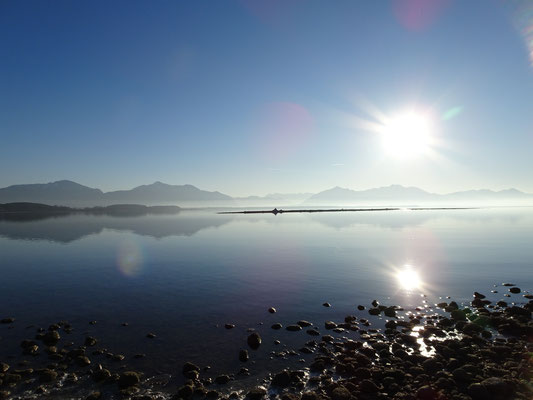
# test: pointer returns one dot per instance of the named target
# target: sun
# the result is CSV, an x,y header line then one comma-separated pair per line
x,y
407,135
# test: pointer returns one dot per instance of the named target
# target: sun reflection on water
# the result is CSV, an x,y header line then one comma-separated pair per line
x,y
408,278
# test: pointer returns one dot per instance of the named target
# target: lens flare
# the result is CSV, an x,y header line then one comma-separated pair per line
x,y
129,259
523,21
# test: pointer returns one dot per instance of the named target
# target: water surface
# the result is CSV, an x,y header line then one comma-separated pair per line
x,y
184,276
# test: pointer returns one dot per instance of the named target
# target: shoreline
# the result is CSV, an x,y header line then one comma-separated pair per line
x,y
444,352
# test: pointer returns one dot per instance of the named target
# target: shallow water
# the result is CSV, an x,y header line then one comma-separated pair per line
x,y
184,276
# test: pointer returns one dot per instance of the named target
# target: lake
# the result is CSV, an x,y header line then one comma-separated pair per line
x,y
184,276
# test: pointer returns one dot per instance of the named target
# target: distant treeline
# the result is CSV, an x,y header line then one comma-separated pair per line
x,y
116,209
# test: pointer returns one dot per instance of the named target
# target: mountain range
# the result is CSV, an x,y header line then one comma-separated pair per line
x,y
72,194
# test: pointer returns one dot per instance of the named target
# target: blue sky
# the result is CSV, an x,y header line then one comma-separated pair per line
x,y
251,97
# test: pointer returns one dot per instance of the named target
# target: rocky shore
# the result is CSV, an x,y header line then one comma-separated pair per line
x,y
481,350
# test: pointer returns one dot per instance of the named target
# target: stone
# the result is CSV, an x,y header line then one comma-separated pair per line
x,y
93,396
243,355
47,375
340,393
515,290
276,326
254,341
281,379
222,379
90,341
256,393
326,305
128,379
294,328
271,310
304,323
50,338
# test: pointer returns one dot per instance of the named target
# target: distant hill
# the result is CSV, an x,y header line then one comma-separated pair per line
x,y
279,199
6,210
401,195
67,193
72,194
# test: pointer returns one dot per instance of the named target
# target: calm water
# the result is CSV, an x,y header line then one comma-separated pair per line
x,y
184,276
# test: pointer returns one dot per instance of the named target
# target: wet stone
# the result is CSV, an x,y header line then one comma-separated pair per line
x,y
222,379
271,310
128,379
243,355
515,290
294,328
254,341
276,326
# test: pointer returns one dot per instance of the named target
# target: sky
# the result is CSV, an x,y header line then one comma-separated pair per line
x,y
253,97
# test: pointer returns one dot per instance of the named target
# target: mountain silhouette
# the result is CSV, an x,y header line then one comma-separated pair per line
x,y
398,194
68,193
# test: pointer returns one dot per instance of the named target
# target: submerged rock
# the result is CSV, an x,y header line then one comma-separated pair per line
x,y
243,355
128,379
254,340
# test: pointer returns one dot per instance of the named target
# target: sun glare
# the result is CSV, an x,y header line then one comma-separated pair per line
x,y
408,278
407,135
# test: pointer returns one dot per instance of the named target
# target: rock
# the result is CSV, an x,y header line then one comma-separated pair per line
x,y
374,311
185,391
8,320
326,305
276,326
100,374
367,386
3,368
222,379
310,396
340,393
390,312
360,307
151,335
281,379
212,395
257,393
313,332
90,341
50,338
515,290
47,375
254,340
229,326
118,357
498,388
304,323
243,355
128,379
83,361
294,328
187,367
427,393
271,310
93,396
330,325
276,342
478,392
458,315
